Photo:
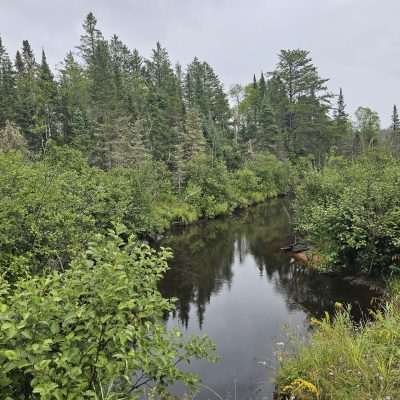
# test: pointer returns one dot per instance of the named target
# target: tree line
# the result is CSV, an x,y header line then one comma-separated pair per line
x,y
120,108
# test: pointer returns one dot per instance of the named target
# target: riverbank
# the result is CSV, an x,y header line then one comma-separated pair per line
x,y
51,208
233,266
349,211
343,360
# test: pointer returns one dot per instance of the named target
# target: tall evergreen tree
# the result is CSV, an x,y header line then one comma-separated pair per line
x,y
7,87
194,141
74,103
395,130
46,103
395,121
90,38
26,95
165,110
303,87
267,130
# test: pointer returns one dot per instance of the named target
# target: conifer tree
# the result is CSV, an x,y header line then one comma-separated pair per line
x,y
303,87
90,38
194,141
267,130
74,103
164,105
342,126
395,121
46,103
26,95
7,87
262,88
395,130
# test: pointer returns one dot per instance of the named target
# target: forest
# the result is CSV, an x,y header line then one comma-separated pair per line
x,y
99,158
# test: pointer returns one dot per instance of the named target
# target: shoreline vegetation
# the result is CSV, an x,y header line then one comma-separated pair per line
x,y
350,213
113,147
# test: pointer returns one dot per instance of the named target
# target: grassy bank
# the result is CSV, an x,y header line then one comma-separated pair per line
x,y
346,361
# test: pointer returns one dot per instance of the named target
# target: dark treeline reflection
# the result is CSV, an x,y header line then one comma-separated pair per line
x,y
205,256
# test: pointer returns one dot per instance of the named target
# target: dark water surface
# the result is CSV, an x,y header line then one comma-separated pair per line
x,y
234,284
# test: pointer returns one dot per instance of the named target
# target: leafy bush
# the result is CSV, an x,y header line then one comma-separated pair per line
x,y
50,208
351,211
209,187
94,330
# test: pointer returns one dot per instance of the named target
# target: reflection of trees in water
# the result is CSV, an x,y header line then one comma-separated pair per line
x,y
202,264
204,256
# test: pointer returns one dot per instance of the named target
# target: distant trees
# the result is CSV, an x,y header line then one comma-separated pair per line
x,y
119,108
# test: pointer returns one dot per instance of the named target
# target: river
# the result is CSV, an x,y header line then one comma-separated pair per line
x,y
234,284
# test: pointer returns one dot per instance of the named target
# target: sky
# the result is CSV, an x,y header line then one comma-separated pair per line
x,y
355,43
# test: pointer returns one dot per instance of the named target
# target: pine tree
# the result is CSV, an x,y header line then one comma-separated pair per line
x,y
204,91
395,127
46,103
26,95
19,63
342,126
262,88
304,88
267,130
90,38
255,86
164,105
74,102
194,141
7,87
395,121
340,112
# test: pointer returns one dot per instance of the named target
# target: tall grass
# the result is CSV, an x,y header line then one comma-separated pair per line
x,y
343,361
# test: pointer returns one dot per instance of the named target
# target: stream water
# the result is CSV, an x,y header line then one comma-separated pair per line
x,y
234,284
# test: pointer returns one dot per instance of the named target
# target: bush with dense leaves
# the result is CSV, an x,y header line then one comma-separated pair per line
x,y
93,331
351,211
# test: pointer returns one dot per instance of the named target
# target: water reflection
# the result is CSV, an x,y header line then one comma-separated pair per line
x,y
232,282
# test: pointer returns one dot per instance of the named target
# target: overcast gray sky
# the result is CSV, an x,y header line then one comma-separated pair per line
x,y
355,43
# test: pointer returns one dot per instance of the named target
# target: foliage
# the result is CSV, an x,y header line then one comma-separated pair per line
x,y
344,361
209,187
350,212
367,127
50,208
94,328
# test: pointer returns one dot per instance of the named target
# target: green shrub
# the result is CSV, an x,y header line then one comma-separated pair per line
x,y
351,211
93,331
209,187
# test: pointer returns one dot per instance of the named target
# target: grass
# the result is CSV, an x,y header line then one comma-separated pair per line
x,y
343,361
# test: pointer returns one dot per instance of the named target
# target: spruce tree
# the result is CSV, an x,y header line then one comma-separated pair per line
x,y
7,87
74,103
194,141
262,88
90,38
164,105
304,88
267,130
27,95
395,128
46,103
395,121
